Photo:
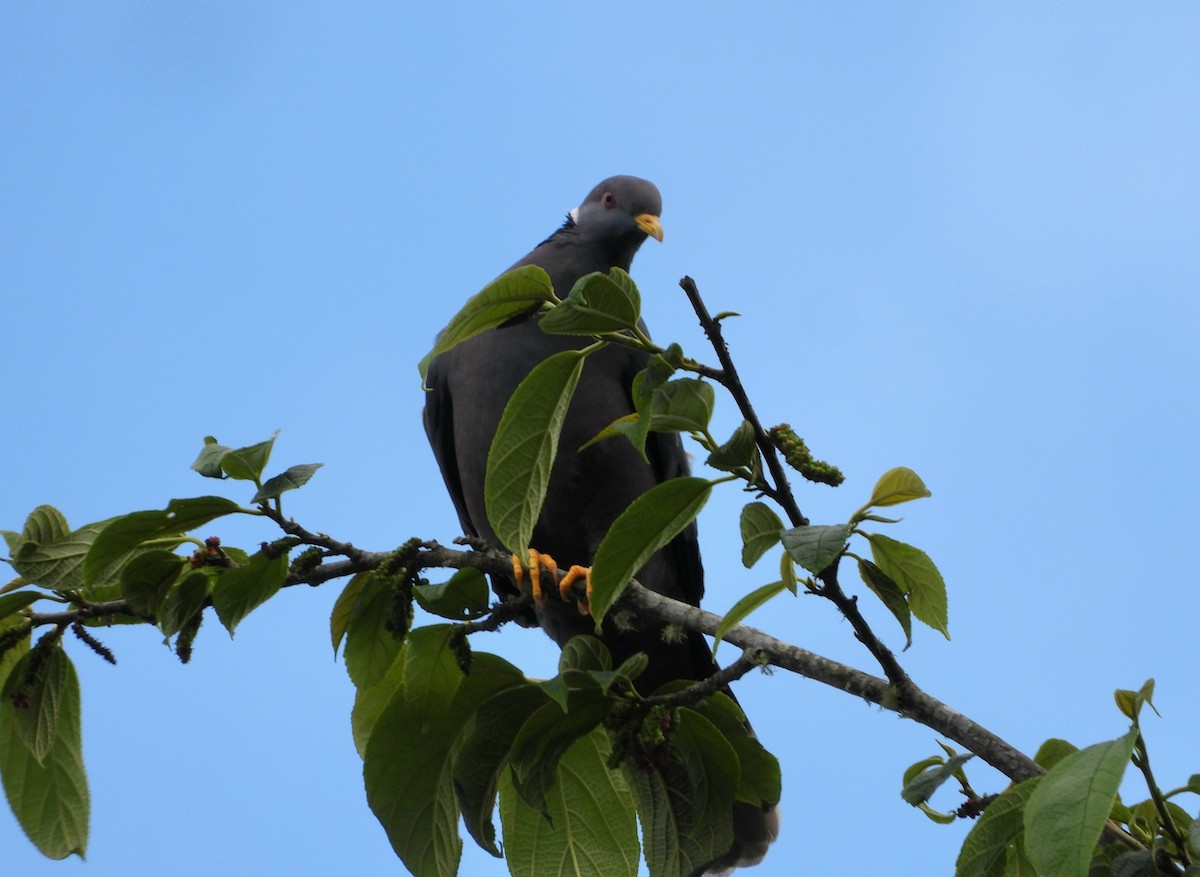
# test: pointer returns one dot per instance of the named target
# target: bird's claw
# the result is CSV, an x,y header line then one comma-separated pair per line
x,y
574,574
537,560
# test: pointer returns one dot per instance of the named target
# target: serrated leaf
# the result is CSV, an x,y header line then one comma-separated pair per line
x,y
463,597
147,578
647,524
985,850
889,594
294,477
483,756
516,292
49,796
524,448
743,607
238,592
915,573
248,463
896,486
760,528
1067,811
591,828
682,405
598,303
815,547
408,762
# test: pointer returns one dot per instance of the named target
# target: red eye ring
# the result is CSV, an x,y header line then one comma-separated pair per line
x,y
609,200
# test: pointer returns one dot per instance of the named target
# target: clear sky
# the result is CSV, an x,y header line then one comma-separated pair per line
x,y
964,238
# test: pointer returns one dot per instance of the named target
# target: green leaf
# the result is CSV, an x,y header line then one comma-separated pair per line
x,y
370,647
543,739
685,799
370,702
147,578
1067,811
649,523
760,781
483,756
1053,751
914,572
760,528
49,796
889,594
591,829
295,476
208,463
1130,702
463,597
407,765
12,603
743,607
343,608
815,547
524,448
238,592
517,292
48,553
920,788
11,657
183,602
37,723
737,453
896,486
985,850
583,652
682,405
119,539
247,464
598,303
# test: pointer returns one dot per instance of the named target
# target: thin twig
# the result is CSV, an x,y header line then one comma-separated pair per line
x,y
733,383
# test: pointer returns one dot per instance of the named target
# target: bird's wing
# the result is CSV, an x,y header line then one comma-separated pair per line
x,y
439,427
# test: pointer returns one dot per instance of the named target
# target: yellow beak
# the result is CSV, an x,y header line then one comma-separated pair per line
x,y
649,223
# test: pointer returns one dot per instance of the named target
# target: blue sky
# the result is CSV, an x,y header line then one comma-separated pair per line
x,y
963,238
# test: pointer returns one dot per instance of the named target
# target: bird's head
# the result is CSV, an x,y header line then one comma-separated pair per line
x,y
621,211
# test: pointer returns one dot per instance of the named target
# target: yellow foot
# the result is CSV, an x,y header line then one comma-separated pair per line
x,y
574,574
536,561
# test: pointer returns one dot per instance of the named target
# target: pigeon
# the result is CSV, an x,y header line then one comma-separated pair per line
x,y
590,486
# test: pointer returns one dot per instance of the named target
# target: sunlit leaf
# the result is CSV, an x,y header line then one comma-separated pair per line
x,y
1067,811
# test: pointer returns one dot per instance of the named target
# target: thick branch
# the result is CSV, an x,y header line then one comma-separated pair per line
x,y
919,706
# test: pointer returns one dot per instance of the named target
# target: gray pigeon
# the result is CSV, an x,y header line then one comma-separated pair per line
x,y
469,386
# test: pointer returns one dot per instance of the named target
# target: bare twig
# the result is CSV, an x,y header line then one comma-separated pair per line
x,y
733,383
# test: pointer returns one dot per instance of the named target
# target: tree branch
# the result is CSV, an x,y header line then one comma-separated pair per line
x,y
733,383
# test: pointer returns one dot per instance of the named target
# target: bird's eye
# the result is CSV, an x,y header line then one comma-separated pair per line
x,y
609,200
